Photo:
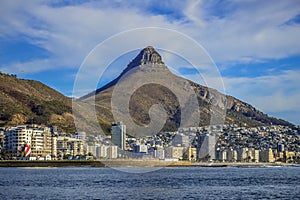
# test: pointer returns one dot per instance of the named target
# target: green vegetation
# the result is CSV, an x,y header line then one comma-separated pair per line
x,y
28,101
11,75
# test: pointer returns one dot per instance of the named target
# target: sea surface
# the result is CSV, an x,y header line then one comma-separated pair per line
x,y
165,183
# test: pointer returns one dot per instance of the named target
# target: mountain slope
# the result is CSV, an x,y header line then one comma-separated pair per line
x,y
148,63
28,101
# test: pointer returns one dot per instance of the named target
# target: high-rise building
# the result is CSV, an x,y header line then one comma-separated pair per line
x,y
40,140
118,135
16,138
207,147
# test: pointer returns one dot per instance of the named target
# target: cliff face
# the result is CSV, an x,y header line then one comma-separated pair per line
x,y
167,89
28,101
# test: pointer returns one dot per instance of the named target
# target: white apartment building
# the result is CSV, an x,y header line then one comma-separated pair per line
x,y
112,152
101,151
40,140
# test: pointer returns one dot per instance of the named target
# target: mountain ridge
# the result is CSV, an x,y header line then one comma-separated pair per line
x,y
29,101
149,61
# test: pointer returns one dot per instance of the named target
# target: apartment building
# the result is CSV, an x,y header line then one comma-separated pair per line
x,y
41,141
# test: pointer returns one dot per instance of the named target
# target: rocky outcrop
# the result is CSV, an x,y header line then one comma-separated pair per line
x,y
147,56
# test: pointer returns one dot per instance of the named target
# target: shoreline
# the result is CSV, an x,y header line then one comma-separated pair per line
x,y
133,163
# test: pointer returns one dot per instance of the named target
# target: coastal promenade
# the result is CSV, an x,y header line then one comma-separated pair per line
x,y
132,163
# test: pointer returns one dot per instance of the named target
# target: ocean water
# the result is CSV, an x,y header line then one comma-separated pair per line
x,y
166,183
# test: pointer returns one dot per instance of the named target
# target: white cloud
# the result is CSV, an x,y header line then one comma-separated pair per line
x,y
70,33
29,67
274,94
249,30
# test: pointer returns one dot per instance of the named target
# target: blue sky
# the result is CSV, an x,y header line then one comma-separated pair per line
x,y
255,44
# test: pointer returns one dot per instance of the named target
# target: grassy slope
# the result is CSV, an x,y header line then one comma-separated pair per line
x,y
28,101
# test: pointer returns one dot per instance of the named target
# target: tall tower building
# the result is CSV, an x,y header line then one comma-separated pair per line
x,y
118,134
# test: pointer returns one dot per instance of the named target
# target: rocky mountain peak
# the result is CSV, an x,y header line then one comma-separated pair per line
x,y
148,56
